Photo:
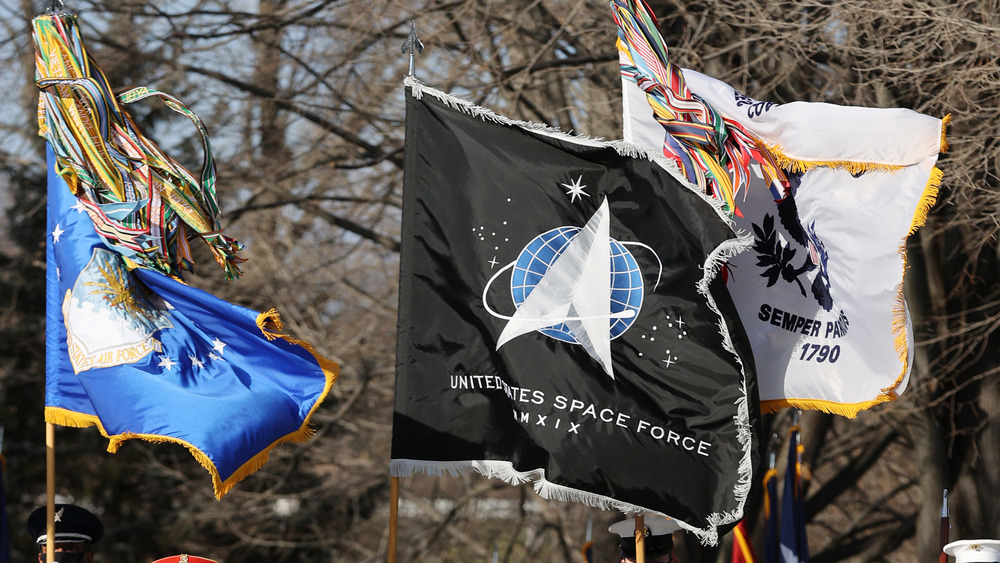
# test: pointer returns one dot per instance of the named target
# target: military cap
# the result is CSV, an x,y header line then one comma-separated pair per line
x,y
659,535
73,523
974,551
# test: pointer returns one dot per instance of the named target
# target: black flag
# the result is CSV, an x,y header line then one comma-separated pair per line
x,y
562,321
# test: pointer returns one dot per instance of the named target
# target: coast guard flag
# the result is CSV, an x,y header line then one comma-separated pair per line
x,y
794,542
142,355
820,293
561,321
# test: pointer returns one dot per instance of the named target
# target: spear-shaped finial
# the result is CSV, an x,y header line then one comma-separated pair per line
x,y
412,45
57,7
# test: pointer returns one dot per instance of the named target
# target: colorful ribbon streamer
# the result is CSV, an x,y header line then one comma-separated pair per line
x,y
713,152
144,204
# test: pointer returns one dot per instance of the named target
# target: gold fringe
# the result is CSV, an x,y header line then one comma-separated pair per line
x,y
64,417
899,328
269,323
330,369
788,163
927,200
848,410
945,122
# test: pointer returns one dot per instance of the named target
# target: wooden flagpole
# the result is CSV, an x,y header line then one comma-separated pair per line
x,y
640,539
50,454
393,516
50,492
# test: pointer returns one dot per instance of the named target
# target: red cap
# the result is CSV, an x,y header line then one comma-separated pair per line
x,y
185,558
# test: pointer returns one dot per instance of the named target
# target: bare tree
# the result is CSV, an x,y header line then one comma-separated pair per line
x,y
303,99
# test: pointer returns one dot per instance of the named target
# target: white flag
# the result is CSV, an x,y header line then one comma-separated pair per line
x,y
821,291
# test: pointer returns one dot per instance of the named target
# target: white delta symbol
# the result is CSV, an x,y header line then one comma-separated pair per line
x,y
577,285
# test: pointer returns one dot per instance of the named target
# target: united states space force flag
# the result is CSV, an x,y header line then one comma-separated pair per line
x,y
820,292
142,355
562,321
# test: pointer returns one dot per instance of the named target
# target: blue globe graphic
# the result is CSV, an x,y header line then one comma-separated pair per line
x,y
539,255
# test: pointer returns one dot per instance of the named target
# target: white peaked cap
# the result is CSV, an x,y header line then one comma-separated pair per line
x,y
974,551
657,525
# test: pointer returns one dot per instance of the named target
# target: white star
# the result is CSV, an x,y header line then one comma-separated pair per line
x,y
212,356
493,262
167,364
80,208
195,362
218,345
668,361
575,190
57,233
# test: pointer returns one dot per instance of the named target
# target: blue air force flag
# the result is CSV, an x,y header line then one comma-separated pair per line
x,y
821,291
561,321
142,355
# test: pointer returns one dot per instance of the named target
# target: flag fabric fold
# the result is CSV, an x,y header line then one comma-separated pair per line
x,y
820,293
130,348
562,321
794,546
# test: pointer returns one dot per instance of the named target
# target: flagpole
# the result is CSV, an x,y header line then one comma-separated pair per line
x,y
943,557
393,516
410,47
640,539
50,492
50,451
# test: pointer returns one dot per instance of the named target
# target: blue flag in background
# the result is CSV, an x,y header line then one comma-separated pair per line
x,y
771,514
794,544
142,355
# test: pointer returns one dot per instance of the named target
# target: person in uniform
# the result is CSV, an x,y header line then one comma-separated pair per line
x,y
974,551
77,530
659,540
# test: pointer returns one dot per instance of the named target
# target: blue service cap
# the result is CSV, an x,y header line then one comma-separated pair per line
x,y
73,523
